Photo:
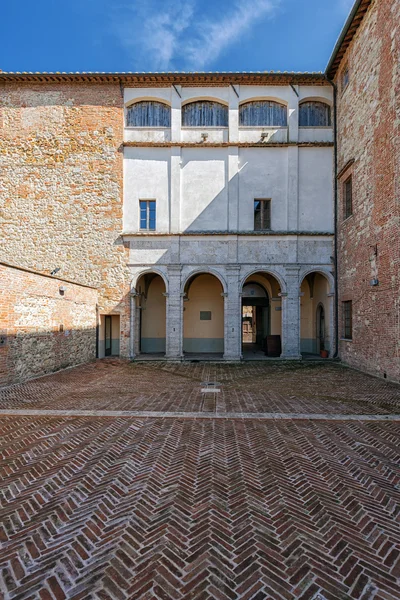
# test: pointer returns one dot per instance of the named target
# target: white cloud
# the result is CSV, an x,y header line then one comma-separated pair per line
x,y
161,34
214,37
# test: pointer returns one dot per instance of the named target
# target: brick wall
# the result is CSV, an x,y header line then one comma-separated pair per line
x,y
42,330
61,186
369,240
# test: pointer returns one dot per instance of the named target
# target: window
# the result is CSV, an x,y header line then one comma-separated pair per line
x,y
262,214
262,113
204,113
348,198
345,78
347,319
314,114
148,114
148,214
205,315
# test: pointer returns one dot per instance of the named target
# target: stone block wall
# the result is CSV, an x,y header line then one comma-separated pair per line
x,y
369,240
61,186
43,329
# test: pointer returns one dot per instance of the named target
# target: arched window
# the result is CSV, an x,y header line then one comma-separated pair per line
x,y
148,113
204,113
314,114
262,113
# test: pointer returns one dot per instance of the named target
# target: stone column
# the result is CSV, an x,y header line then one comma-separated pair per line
x,y
232,315
291,315
174,321
134,326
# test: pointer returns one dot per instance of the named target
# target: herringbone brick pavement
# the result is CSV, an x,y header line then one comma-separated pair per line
x,y
106,508
249,388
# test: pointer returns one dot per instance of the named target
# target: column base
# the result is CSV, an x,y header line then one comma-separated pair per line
x,y
232,357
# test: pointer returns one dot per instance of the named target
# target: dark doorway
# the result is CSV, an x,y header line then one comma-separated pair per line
x,y
320,328
255,317
107,335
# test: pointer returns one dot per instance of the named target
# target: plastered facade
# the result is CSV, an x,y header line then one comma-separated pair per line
x,y
205,192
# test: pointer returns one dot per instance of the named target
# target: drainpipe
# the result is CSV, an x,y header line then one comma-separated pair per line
x,y
335,194
97,331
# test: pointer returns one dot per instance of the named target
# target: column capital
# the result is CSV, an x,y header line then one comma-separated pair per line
x,y
233,268
174,268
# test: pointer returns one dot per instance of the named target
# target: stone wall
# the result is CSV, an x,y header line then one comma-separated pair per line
x,y
61,186
369,240
42,327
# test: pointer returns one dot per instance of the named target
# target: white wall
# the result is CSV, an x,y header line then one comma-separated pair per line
x,y
316,189
146,177
204,191
213,188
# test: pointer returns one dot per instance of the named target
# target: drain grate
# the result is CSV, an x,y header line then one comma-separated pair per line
x,y
208,404
209,390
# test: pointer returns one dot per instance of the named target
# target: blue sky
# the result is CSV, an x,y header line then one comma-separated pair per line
x,y
170,35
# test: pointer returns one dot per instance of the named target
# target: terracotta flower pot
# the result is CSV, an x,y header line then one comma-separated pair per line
x,y
324,353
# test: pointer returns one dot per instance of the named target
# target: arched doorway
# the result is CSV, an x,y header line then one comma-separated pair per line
x,y
261,316
315,318
203,315
151,312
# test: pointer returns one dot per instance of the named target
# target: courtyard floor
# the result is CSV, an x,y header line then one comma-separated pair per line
x,y
199,481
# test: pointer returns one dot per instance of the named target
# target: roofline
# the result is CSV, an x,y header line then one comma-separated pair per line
x,y
170,78
359,9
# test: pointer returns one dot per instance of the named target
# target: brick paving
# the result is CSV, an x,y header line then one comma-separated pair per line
x,y
249,387
199,508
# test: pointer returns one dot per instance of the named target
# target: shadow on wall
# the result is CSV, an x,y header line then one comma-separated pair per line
x,y
28,355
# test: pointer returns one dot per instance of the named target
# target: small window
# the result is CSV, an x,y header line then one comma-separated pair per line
x,y
148,214
262,214
345,78
204,114
314,114
348,197
205,315
262,113
347,319
148,114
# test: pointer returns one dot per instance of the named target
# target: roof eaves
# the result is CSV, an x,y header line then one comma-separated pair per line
x,y
349,30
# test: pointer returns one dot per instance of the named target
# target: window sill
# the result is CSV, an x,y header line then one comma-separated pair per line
x,y
261,127
328,127
342,339
140,128
347,218
202,128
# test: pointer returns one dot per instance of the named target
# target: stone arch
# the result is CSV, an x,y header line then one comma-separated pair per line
x,y
205,270
272,272
149,271
203,313
316,292
321,271
149,311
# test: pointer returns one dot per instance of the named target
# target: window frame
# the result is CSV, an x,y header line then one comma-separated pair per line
x,y
143,101
347,184
312,101
148,220
262,126
265,202
345,77
200,101
347,319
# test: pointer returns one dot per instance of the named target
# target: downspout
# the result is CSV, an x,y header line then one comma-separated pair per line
x,y
335,200
97,331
